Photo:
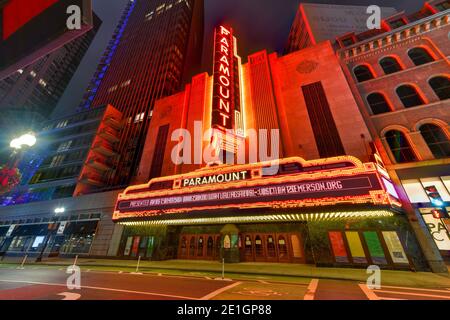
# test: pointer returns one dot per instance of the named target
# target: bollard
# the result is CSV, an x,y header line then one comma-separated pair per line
x,y
23,263
138,263
76,260
223,269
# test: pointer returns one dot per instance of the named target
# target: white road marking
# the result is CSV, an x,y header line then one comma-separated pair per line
x,y
413,294
311,290
392,299
414,289
219,291
70,296
101,289
368,292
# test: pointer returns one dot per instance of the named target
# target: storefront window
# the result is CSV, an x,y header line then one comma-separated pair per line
x,y
20,243
80,244
127,250
192,247
271,246
415,188
200,247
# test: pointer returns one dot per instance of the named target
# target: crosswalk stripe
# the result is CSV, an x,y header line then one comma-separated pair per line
x,y
368,292
413,294
311,290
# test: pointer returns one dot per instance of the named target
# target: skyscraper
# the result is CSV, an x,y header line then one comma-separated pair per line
x,y
155,49
28,96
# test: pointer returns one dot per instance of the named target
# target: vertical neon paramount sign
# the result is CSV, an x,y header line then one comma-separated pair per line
x,y
226,110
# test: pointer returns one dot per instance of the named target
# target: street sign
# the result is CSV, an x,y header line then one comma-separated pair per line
x,y
10,230
61,228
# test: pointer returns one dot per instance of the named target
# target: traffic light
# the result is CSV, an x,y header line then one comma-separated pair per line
x,y
434,196
437,214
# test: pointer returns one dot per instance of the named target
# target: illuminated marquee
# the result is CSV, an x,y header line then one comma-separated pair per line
x,y
226,94
341,180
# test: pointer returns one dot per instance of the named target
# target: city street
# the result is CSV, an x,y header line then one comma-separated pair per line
x,y
36,283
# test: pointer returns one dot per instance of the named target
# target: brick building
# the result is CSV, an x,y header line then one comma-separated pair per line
x,y
400,76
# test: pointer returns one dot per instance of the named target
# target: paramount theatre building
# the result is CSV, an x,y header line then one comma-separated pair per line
x,y
326,199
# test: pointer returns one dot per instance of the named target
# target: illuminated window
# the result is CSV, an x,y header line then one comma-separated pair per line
x,y
420,56
409,96
400,147
363,73
390,65
415,191
378,103
441,86
139,117
436,140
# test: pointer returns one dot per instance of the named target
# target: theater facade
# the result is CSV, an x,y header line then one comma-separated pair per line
x,y
325,198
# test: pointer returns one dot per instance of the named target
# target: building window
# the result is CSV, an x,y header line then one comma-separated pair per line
x,y
326,134
441,86
436,140
445,5
397,23
363,73
390,65
420,56
378,103
400,147
409,96
348,42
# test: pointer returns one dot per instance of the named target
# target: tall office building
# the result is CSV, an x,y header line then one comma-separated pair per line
x,y
315,23
28,96
156,48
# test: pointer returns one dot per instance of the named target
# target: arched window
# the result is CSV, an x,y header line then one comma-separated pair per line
x,y
420,56
400,146
390,65
378,103
441,86
409,96
436,140
363,73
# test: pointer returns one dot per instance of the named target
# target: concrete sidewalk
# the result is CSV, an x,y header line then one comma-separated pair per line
x,y
278,271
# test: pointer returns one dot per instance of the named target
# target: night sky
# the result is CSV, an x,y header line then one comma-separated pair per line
x,y
259,24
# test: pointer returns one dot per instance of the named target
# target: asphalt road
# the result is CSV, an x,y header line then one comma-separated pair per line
x,y
51,284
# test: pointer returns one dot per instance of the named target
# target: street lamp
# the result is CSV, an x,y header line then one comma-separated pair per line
x,y
28,140
60,210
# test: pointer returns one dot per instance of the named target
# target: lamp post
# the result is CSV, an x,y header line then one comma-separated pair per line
x,y
49,231
9,173
27,140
